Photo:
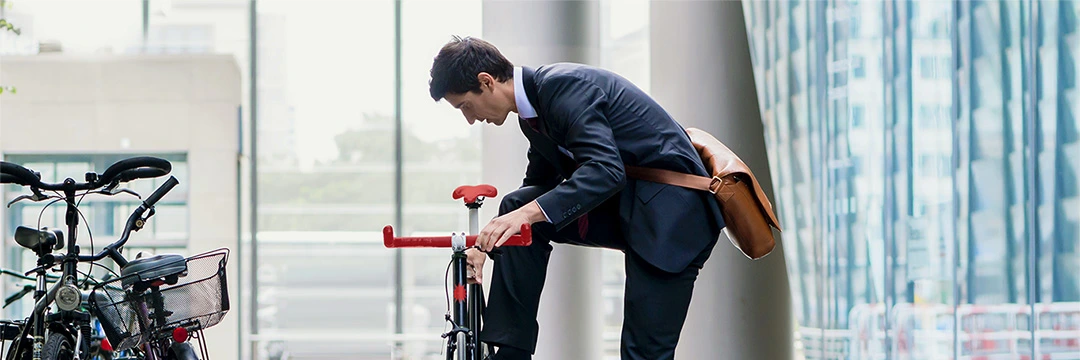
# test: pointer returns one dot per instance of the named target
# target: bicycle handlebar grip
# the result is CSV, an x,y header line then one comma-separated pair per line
x,y
17,174
139,167
390,241
8,179
161,191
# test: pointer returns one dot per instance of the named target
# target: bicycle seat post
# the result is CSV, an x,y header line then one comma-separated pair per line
x,y
474,216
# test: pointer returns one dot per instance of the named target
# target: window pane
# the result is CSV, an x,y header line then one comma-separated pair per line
x,y
326,176
1057,264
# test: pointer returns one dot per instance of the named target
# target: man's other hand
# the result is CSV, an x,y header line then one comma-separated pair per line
x,y
476,265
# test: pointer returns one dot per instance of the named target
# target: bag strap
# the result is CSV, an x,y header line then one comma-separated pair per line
x,y
672,178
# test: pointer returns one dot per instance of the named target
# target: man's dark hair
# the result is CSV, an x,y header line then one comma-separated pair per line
x,y
460,60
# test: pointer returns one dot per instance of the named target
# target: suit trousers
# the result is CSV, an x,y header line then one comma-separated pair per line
x,y
655,305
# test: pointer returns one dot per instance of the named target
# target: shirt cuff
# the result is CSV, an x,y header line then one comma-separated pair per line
x,y
546,218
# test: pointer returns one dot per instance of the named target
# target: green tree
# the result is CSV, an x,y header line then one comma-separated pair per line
x,y
363,174
374,142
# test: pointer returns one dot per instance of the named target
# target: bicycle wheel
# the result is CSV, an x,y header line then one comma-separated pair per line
x,y
58,347
20,349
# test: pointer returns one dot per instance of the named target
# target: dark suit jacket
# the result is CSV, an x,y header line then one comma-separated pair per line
x,y
592,123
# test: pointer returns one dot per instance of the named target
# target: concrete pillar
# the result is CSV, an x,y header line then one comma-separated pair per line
x,y
534,33
702,74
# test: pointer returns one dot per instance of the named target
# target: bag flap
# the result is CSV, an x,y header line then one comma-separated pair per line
x,y
721,161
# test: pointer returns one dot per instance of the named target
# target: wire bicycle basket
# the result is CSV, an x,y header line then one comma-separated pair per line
x,y
198,300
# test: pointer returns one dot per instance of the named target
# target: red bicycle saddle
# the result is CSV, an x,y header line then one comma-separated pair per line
x,y
471,192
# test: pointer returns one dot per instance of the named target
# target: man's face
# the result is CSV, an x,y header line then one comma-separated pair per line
x,y
484,106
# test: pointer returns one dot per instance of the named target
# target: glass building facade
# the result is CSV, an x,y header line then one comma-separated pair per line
x,y
925,157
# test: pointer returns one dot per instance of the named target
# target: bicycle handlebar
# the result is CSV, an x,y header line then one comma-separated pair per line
x,y
140,167
161,191
113,250
9,179
11,173
390,241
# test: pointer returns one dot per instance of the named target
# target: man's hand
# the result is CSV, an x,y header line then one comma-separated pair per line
x,y
501,228
475,259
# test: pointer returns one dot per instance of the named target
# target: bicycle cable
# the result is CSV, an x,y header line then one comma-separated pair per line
x,y
106,269
446,289
42,213
446,285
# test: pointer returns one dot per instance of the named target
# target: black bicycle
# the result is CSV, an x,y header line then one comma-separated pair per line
x,y
137,306
465,318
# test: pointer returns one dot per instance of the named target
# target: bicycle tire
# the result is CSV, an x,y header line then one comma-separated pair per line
x,y
58,347
16,348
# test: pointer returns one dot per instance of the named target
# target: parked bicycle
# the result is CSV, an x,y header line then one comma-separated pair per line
x,y
465,316
151,309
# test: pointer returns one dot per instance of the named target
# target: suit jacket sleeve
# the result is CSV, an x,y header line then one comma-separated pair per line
x,y
576,108
540,172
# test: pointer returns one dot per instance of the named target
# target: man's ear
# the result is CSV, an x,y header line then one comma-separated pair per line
x,y
485,79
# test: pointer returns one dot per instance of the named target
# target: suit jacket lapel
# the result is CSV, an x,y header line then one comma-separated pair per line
x,y
545,144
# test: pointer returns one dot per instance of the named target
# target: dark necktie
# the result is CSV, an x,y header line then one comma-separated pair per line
x,y
534,123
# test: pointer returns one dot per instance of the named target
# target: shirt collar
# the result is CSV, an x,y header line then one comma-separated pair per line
x,y
525,109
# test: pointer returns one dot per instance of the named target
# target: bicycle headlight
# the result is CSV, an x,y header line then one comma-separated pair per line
x,y
68,297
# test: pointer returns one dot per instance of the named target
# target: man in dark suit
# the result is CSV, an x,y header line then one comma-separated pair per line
x,y
584,125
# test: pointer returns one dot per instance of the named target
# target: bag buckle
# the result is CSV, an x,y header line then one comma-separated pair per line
x,y
714,185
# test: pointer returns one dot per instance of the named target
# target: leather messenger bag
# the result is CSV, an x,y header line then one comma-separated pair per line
x,y
743,204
